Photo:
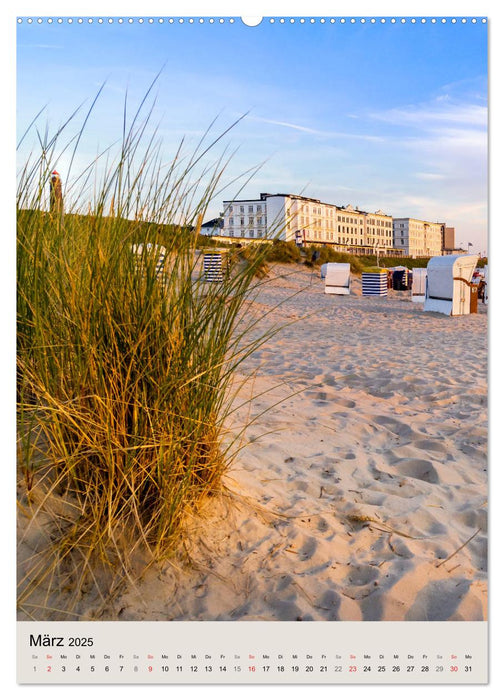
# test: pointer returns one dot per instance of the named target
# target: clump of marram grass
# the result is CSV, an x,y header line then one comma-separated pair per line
x,y
125,361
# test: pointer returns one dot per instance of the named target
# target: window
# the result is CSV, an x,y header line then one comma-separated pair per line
x,y
242,221
259,221
251,220
231,221
259,207
251,208
231,232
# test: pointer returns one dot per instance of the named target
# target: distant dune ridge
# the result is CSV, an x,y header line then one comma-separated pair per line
x,y
362,494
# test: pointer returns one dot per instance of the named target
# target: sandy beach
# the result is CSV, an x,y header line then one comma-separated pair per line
x,y
362,493
360,489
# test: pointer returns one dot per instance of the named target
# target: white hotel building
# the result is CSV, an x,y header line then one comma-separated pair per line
x,y
293,217
418,238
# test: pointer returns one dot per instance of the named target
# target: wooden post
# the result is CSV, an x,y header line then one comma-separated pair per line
x,y
56,196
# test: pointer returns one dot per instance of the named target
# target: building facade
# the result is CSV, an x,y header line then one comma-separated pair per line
x,y
212,228
417,238
302,219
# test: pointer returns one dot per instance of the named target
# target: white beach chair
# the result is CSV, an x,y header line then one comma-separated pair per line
x,y
448,288
418,285
151,251
337,278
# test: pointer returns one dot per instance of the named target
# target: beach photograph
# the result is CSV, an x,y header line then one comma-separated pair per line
x,y
252,319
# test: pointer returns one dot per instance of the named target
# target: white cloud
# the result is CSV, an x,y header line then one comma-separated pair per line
x,y
430,176
40,46
316,132
441,111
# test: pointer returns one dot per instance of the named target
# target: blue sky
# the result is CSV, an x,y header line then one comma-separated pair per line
x,y
382,116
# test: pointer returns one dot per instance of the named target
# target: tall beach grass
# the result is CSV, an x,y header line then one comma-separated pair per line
x,y
125,365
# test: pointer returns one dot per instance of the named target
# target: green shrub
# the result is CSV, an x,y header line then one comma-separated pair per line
x,y
329,254
282,251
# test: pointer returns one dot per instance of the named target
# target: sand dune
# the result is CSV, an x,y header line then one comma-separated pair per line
x,y
362,495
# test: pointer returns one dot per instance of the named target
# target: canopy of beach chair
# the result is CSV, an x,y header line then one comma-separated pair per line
x,y
449,284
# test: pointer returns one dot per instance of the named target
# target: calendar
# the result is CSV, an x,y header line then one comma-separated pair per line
x,y
220,652
252,344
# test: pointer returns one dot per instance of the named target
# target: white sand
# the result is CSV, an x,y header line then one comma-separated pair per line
x,y
352,496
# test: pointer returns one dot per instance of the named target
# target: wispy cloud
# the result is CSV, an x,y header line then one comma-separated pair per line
x,y
443,110
315,132
288,125
430,176
50,47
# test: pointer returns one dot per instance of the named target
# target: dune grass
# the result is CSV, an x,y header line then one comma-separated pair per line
x,y
125,367
327,254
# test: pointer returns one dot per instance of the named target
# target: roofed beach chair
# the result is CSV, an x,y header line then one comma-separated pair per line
x,y
148,254
418,286
215,265
375,282
337,278
448,289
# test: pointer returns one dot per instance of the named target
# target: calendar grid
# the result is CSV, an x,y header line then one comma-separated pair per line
x,y
252,653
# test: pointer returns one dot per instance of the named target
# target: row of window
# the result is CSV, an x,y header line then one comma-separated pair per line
x,y
419,226
241,208
380,223
257,221
327,211
347,220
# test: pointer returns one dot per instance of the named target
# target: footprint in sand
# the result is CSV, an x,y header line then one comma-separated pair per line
x,y
430,445
322,525
362,575
474,519
418,469
330,603
284,610
395,426
438,600
308,548
346,403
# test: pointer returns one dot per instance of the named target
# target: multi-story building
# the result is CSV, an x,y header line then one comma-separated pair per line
x,y
293,217
417,238
448,237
